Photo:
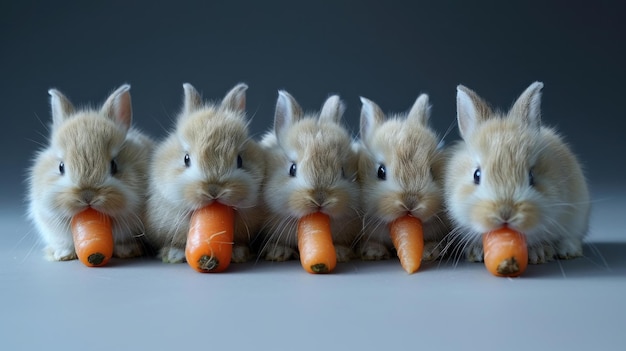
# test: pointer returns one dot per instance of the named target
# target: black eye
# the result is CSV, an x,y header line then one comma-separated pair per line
x,y
62,168
113,167
292,170
477,176
239,161
187,160
382,172
531,178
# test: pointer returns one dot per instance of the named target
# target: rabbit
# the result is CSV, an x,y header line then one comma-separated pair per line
x,y
94,158
510,171
401,165
208,156
312,166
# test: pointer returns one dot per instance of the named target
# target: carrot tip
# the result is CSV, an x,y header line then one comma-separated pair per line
x,y
96,259
410,270
320,268
508,267
208,263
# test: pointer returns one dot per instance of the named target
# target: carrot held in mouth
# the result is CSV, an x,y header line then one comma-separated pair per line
x,y
93,237
210,239
407,236
315,243
506,252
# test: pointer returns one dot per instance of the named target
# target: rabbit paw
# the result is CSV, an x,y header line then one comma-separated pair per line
x,y
344,253
127,249
170,254
374,251
569,248
432,251
278,252
60,253
241,253
541,253
474,252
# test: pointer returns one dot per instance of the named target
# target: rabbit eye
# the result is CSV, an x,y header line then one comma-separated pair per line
x,y
113,167
531,178
382,172
239,161
62,168
187,160
477,176
292,170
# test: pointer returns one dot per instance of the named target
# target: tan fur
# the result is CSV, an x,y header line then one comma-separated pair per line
x,y
325,179
213,135
553,213
407,147
86,140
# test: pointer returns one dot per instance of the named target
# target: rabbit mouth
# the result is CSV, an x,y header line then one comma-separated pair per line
x,y
209,201
393,208
329,207
518,215
515,221
417,213
236,195
103,200
223,196
99,206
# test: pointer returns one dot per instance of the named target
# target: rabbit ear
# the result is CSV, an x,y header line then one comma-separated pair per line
x,y
470,110
528,106
332,110
371,118
420,112
235,99
118,106
60,106
192,100
287,113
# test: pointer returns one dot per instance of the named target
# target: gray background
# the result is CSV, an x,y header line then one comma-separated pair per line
x,y
386,51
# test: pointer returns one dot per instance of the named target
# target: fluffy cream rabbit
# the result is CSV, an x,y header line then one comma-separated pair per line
x,y
509,170
401,171
312,166
209,156
94,159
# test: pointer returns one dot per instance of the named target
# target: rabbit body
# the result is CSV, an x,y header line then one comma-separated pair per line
x,y
509,170
312,166
94,159
209,156
401,171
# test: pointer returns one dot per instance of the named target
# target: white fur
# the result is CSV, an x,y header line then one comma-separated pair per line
x,y
466,112
408,149
86,140
213,135
320,147
553,213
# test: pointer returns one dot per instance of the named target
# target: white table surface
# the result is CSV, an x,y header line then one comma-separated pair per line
x,y
144,304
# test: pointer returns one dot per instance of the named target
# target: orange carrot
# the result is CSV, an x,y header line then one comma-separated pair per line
x,y
210,239
93,237
506,252
408,239
315,243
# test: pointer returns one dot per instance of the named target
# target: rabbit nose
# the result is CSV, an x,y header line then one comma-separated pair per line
x,y
87,195
213,190
506,212
410,202
318,197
